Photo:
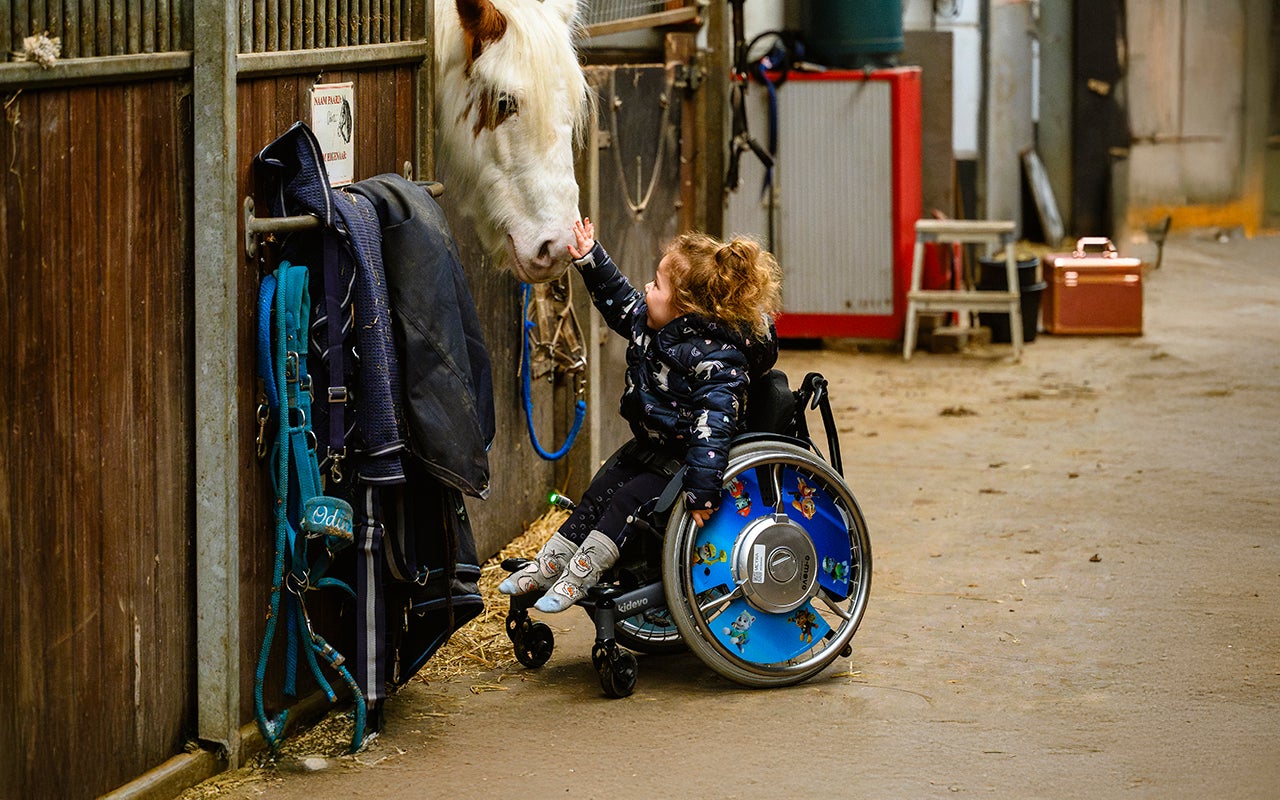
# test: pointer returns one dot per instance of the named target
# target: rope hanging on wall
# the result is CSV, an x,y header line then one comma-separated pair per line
x,y
552,346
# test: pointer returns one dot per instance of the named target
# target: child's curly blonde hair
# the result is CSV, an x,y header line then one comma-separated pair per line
x,y
737,281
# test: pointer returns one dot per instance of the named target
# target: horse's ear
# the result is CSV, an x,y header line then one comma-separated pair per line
x,y
481,23
567,9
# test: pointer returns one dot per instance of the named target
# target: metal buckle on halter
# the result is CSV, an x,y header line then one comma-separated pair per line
x,y
335,467
264,414
337,394
295,584
291,367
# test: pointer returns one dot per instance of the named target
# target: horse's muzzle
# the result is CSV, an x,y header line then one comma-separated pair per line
x,y
546,264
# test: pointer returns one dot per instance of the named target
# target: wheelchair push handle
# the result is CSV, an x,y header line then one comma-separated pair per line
x,y
813,394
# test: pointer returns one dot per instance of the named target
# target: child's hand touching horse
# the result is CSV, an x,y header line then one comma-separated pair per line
x,y
585,234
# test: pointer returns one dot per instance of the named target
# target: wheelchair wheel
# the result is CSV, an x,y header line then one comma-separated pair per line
x,y
773,587
651,632
616,669
532,642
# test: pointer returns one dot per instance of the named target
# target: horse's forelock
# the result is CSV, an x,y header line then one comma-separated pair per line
x,y
538,54
481,23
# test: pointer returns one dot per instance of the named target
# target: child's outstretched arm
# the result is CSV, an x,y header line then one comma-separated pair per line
x,y
613,295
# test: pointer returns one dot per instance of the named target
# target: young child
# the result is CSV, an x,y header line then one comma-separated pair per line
x,y
700,331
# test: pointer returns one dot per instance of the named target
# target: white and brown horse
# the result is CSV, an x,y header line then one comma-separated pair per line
x,y
511,100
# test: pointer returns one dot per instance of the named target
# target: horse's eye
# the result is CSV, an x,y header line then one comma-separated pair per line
x,y
507,106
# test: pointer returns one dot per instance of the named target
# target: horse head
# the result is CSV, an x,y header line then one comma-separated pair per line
x,y
511,99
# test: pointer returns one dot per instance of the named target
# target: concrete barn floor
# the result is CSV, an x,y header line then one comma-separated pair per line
x,y
1076,593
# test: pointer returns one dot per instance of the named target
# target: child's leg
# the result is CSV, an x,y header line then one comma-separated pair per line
x,y
545,567
551,560
599,550
596,554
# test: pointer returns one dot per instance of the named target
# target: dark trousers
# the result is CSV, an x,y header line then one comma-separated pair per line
x,y
615,493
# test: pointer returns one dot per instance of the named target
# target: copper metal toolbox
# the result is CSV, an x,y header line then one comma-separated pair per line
x,y
1093,290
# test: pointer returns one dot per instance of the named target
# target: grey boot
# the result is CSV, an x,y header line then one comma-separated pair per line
x,y
596,554
546,566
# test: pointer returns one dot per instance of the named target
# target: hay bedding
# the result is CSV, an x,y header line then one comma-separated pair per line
x,y
482,643
479,646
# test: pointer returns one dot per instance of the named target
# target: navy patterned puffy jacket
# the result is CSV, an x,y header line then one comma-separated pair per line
x,y
686,384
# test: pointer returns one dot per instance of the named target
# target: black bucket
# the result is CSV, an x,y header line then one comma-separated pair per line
x,y
854,34
992,278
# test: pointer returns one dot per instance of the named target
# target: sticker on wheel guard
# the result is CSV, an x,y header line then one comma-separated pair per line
x,y
763,638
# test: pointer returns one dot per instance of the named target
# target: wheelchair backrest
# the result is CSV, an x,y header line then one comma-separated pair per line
x,y
771,405
773,408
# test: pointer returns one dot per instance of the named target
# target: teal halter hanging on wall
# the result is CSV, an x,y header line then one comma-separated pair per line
x,y
303,515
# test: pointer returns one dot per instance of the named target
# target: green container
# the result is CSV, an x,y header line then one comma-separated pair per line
x,y
853,34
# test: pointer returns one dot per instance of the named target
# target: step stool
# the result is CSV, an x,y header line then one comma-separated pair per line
x,y
994,234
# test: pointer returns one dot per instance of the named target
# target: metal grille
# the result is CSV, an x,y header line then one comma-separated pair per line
x,y
276,25
601,11
837,150
87,28
833,216
91,28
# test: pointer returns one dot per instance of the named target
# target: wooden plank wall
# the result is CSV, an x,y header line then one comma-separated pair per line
x,y
96,511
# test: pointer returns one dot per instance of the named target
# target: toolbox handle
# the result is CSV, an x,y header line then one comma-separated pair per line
x,y
1109,249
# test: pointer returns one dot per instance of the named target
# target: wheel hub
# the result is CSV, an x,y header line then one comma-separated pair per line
x,y
776,564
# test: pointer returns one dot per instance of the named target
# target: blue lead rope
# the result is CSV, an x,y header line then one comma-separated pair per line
x,y
301,512
579,407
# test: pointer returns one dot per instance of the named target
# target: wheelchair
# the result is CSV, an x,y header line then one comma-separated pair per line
x,y
767,593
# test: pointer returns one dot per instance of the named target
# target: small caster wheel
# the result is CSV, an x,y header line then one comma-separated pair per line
x,y
533,644
616,668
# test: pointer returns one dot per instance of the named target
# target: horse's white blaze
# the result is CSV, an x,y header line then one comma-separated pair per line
x,y
508,121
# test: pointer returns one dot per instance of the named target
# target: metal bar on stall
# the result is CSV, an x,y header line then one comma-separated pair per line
x,y
102,28
217,428
424,129
164,41
39,20
85,71
5,33
259,65
255,227
309,24
273,27
117,39
147,22
70,32
295,25
133,26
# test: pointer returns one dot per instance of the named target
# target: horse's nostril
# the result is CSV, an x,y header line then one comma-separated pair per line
x,y
543,259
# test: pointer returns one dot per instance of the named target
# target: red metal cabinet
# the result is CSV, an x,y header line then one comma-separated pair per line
x,y
847,193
